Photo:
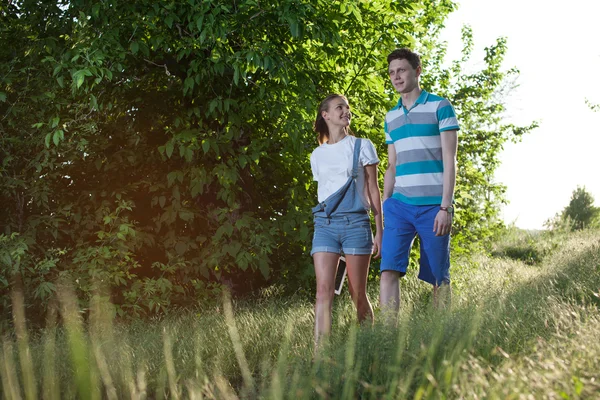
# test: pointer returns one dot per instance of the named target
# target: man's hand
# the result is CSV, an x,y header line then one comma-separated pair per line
x,y
443,223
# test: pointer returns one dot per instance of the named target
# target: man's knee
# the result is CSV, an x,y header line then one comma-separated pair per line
x,y
389,277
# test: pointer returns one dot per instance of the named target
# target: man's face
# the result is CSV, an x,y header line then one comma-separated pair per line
x,y
403,76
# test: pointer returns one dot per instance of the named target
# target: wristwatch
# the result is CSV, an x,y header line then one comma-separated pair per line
x,y
449,210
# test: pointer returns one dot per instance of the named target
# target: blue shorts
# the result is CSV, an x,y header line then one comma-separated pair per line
x,y
349,234
402,222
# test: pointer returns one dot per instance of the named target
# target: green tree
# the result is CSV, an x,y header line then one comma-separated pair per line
x,y
581,212
592,106
160,147
479,100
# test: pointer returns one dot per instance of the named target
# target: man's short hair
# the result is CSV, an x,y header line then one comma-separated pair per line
x,y
405,54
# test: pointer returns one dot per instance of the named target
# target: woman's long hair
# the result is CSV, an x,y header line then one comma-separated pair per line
x,y
320,126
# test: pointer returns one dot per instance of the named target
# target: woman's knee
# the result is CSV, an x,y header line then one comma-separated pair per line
x,y
325,292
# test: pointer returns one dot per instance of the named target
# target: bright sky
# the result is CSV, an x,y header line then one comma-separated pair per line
x,y
555,46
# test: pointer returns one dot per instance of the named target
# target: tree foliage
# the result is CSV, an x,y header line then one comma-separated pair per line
x,y
581,212
160,147
592,106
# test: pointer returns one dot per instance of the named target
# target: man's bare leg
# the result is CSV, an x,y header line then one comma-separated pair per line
x,y
389,295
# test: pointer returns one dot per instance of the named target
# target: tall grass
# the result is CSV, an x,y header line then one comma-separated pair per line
x,y
515,330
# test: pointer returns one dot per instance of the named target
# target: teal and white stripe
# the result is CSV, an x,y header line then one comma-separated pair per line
x,y
415,134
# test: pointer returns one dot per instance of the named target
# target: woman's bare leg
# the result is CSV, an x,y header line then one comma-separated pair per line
x,y
358,270
325,270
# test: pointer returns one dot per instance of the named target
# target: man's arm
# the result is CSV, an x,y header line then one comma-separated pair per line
x,y
443,220
389,179
449,148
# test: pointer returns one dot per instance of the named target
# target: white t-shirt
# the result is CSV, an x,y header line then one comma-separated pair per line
x,y
332,166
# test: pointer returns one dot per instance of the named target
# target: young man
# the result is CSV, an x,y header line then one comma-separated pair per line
x,y
421,133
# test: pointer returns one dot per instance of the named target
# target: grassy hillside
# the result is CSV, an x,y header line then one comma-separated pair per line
x,y
523,324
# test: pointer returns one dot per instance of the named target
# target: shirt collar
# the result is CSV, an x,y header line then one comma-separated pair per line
x,y
422,99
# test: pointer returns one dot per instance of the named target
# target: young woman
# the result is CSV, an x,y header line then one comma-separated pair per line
x,y
345,168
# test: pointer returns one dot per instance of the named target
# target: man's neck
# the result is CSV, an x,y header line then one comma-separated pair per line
x,y
409,98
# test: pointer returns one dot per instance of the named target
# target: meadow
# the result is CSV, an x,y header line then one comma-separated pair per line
x,y
523,323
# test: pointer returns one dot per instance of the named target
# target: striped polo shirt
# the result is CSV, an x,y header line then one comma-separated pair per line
x,y
415,134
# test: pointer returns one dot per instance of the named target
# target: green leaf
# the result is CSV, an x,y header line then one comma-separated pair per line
x,y
181,248
56,137
47,140
197,189
5,260
265,270
189,155
356,13
236,74
169,148
186,215
162,200
171,176
213,105
2,97
188,84
93,102
199,22
205,146
134,47
294,28
234,248
169,21
78,78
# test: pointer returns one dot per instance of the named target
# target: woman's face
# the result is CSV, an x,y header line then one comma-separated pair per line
x,y
338,113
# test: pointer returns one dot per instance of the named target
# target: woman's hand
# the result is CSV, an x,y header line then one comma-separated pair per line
x,y
377,244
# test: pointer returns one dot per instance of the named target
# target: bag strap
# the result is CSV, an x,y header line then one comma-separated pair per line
x,y
355,159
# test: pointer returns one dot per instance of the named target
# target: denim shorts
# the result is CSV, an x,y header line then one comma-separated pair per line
x,y
402,223
349,234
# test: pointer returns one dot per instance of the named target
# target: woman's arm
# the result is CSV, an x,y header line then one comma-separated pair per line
x,y
375,200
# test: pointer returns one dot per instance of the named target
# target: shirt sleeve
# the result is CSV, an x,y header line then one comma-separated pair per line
x,y
446,117
368,154
314,166
388,138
